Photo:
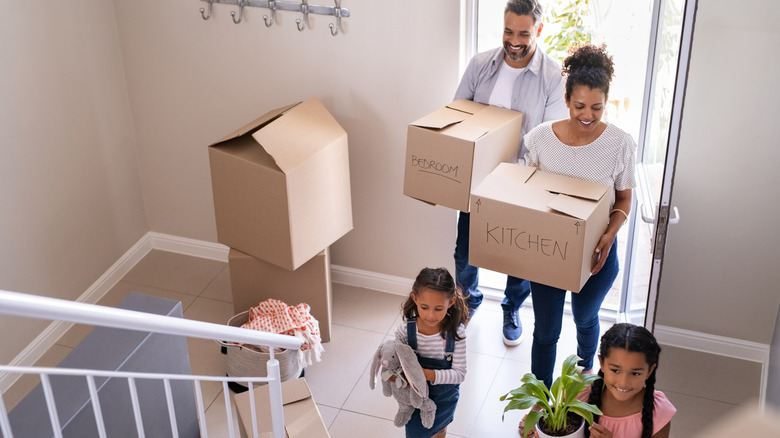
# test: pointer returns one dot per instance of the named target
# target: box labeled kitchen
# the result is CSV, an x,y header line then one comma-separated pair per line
x,y
537,225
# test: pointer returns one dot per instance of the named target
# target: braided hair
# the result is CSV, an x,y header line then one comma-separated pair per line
x,y
588,65
440,280
634,339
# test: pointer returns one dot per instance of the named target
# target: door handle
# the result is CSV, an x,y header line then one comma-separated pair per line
x,y
650,219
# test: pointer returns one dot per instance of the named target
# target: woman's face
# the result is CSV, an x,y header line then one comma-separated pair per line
x,y
625,373
586,107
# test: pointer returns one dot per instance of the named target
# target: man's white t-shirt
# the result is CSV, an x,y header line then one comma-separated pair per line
x,y
505,84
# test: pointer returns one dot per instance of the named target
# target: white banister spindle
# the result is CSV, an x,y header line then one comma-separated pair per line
x,y
51,406
201,411
139,423
93,395
171,408
226,393
255,433
275,397
5,425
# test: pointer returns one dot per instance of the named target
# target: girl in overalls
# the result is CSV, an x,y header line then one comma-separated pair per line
x,y
435,316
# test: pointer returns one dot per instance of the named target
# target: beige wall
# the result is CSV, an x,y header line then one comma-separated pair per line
x,y
70,191
192,81
74,145
720,273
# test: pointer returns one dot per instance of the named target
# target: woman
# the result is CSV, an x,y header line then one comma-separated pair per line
x,y
585,147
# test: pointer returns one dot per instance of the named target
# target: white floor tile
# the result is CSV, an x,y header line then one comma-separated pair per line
x,y
481,372
350,425
365,309
346,357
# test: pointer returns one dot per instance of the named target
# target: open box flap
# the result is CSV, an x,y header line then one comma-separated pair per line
x,y
295,390
260,121
299,134
440,118
569,186
577,207
467,106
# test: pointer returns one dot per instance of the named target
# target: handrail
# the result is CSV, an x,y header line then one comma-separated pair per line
x,y
39,307
35,306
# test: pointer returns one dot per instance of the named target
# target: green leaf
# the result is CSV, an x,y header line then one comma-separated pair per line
x,y
531,420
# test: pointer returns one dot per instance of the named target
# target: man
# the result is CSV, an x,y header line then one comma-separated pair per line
x,y
522,78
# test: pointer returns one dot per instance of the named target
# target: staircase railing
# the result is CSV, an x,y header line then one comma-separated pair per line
x,y
33,306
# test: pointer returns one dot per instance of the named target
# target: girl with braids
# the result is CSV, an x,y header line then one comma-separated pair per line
x,y
435,315
631,405
585,147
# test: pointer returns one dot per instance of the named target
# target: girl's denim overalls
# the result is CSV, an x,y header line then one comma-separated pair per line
x,y
445,396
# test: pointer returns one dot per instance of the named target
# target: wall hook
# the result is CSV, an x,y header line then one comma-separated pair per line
x,y
305,10
334,29
202,11
241,4
272,7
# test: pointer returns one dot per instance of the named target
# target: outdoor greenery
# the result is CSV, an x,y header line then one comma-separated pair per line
x,y
571,16
554,404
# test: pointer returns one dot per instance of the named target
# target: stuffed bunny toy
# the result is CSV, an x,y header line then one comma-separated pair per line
x,y
394,358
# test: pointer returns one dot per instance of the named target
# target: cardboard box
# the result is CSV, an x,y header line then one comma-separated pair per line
x,y
253,280
302,419
450,151
281,185
537,225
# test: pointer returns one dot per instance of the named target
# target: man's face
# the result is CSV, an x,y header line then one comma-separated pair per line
x,y
520,33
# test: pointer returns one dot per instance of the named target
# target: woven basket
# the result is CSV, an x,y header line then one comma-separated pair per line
x,y
248,361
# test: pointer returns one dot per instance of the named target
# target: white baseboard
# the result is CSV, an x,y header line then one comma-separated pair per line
x,y
675,337
719,345
371,280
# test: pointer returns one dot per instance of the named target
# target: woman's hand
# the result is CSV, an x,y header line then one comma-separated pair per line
x,y
602,250
599,431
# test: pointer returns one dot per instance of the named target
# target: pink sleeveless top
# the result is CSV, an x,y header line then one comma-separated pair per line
x,y
631,425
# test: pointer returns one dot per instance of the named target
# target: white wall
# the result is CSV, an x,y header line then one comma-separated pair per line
x,y
70,191
720,274
192,81
107,109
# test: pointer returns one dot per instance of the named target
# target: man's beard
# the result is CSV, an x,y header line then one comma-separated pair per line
x,y
515,57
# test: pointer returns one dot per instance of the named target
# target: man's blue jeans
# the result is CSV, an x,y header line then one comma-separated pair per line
x,y
467,276
585,305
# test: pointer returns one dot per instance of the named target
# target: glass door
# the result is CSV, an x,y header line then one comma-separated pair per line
x,y
658,198
642,101
656,120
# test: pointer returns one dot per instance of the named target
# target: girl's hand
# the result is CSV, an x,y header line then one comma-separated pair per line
x,y
430,375
602,249
521,428
392,378
599,431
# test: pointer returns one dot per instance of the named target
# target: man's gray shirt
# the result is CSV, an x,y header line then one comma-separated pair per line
x,y
538,91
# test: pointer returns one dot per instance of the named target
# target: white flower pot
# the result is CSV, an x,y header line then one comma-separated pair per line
x,y
579,433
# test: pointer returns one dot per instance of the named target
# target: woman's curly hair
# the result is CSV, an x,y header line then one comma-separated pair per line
x,y
588,65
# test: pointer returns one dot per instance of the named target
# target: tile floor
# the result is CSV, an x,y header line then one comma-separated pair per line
x,y
362,319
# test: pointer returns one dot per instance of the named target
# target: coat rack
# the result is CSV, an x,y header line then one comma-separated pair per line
x,y
278,5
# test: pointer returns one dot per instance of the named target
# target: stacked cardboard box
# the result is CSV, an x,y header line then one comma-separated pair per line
x,y
450,151
281,197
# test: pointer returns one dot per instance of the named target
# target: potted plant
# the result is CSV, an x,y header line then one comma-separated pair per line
x,y
556,411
